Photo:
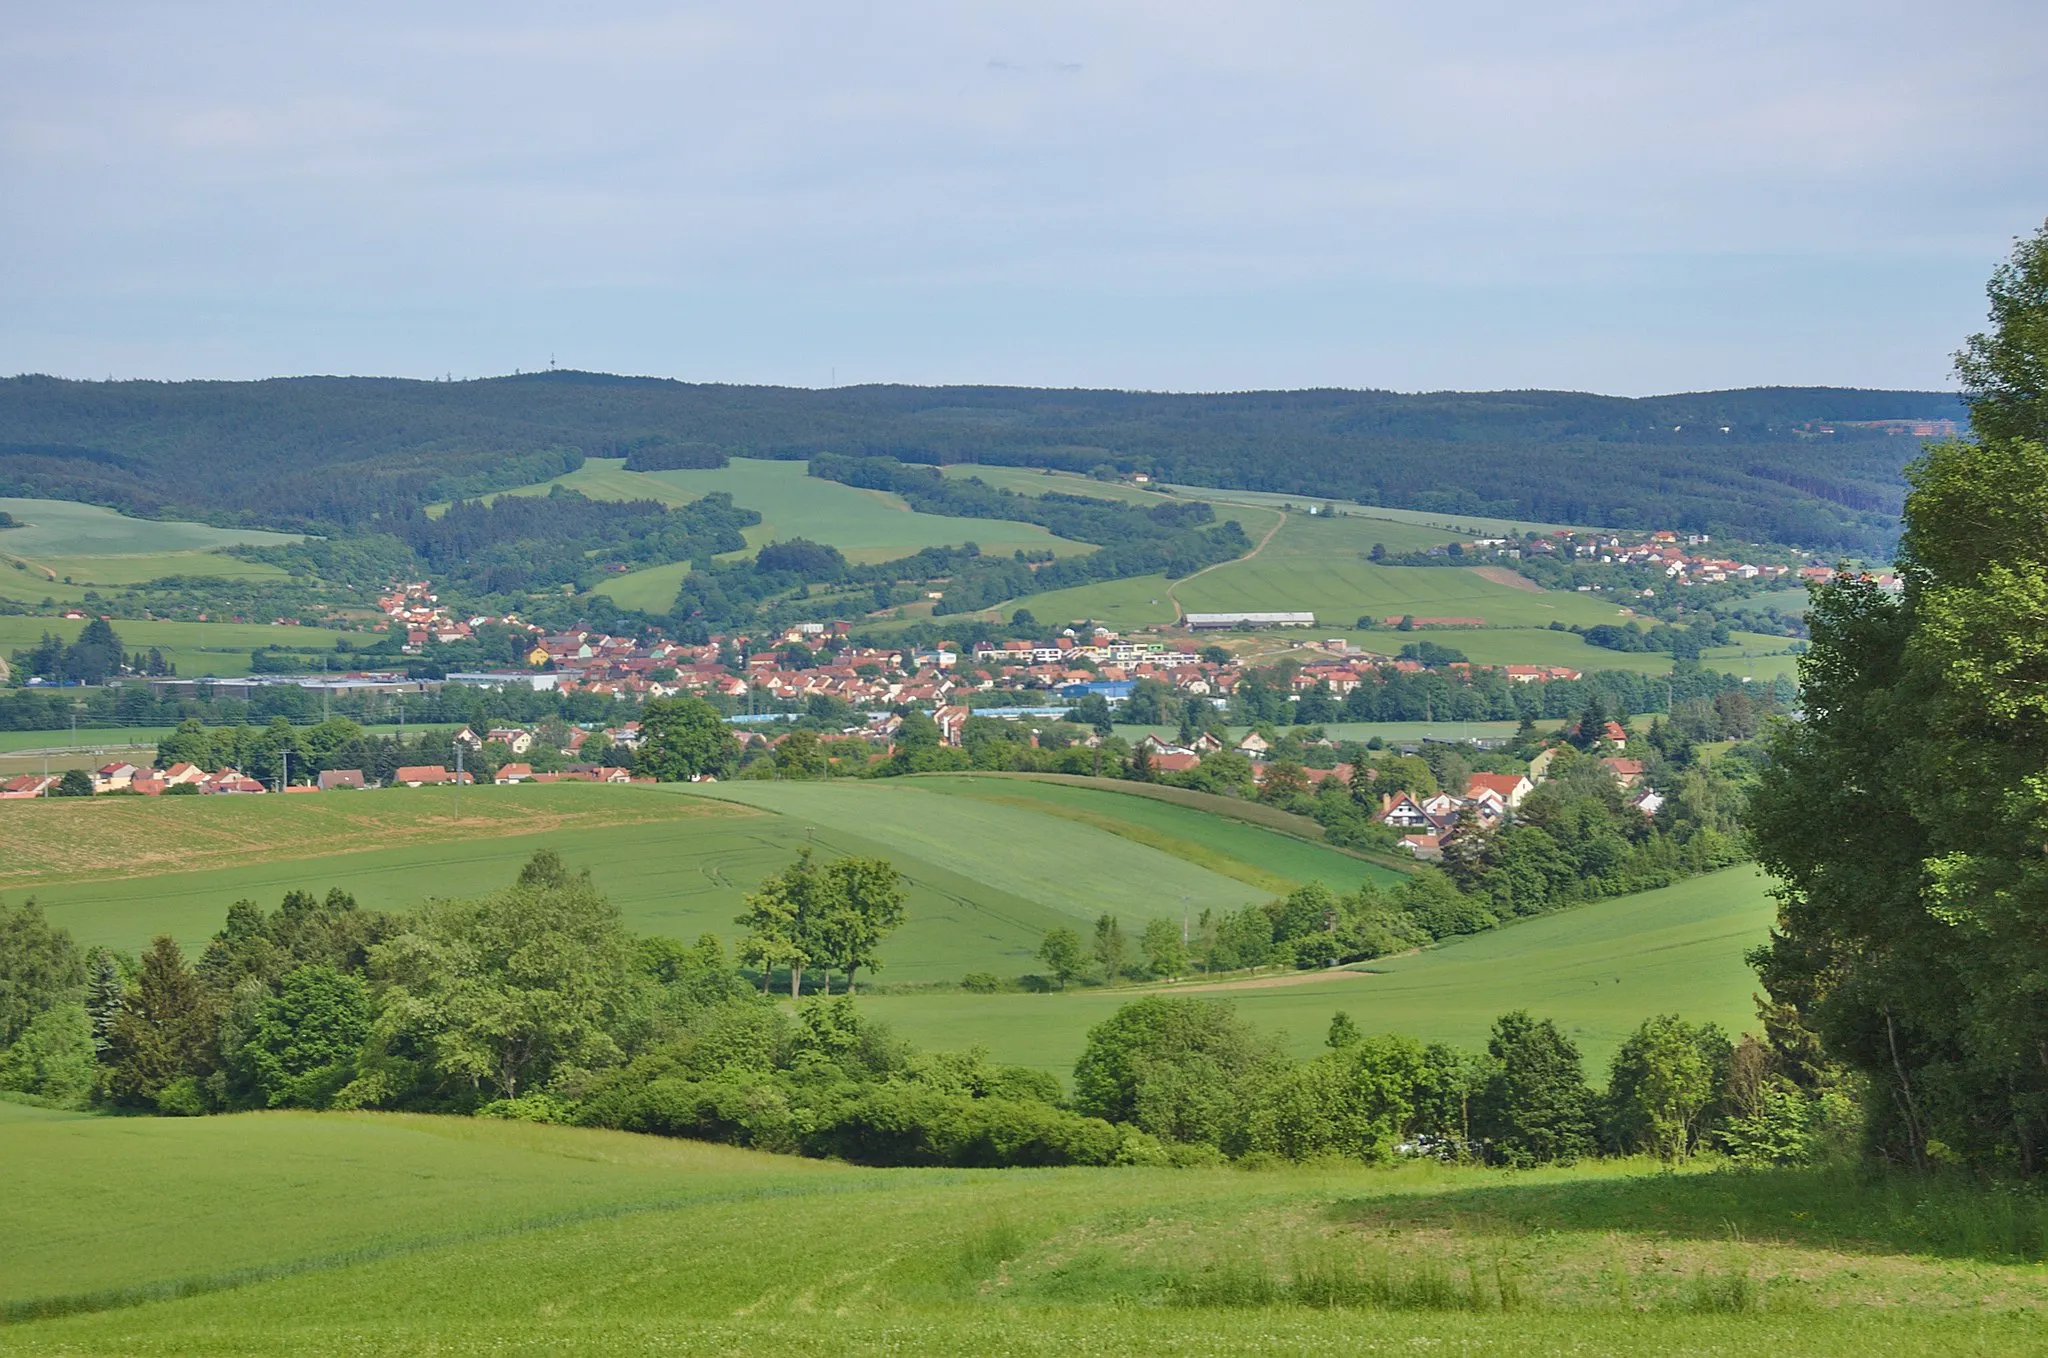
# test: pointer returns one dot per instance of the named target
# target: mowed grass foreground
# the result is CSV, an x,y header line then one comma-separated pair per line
x,y
356,1234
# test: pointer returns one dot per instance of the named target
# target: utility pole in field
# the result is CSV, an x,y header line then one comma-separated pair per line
x,y
458,779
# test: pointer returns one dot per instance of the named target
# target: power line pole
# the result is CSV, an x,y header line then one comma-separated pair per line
x,y
458,779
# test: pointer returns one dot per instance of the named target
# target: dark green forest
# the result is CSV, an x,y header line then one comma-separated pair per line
x,y
330,452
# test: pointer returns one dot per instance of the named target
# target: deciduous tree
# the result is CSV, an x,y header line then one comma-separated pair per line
x,y
684,738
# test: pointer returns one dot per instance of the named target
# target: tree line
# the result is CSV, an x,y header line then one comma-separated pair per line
x,y
535,1002
333,453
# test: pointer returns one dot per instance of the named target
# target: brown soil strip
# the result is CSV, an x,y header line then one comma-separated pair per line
x,y
1501,575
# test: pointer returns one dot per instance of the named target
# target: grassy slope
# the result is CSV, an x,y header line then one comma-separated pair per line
x,y
1319,565
1272,862
993,863
293,1233
1438,527
675,865
65,528
198,649
62,549
1073,868
866,525
1599,970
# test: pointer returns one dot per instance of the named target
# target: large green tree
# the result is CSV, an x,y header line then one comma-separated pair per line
x,y
684,738
164,1030
303,1044
782,919
1536,1106
1181,1069
493,996
39,967
864,904
1906,815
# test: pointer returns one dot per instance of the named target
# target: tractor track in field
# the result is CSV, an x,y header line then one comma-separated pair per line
x,y
1172,590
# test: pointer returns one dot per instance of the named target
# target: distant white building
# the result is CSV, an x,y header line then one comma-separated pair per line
x,y
1216,621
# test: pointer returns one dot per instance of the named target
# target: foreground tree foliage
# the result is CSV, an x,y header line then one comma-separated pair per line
x,y
1908,812
533,1002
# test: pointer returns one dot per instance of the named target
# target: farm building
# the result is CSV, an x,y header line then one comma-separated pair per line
x,y
1202,622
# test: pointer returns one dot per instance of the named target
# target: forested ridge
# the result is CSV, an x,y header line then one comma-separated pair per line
x,y
336,451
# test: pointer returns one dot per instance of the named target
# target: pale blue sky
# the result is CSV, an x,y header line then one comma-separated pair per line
x,y
1625,197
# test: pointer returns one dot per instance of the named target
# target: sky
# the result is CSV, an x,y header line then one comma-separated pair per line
x,y
1630,198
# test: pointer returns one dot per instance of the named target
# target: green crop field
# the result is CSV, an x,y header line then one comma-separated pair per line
x,y
1075,869
1044,481
290,1233
993,863
1271,862
1442,527
867,525
1319,565
198,649
64,528
62,549
1597,969
675,865
1465,525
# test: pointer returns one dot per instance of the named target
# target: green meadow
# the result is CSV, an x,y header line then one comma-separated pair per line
x,y
993,863
63,528
1597,969
866,525
61,549
1320,565
198,649
1441,527
287,1233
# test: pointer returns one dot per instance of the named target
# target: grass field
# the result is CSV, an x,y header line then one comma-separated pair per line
x,y
1319,565
993,863
1467,525
1439,527
1076,869
63,549
65,528
674,865
359,1234
867,525
198,649
1271,862
1599,970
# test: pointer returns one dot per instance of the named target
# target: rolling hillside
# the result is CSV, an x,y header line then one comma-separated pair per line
x,y
341,450
1597,969
288,1233
993,863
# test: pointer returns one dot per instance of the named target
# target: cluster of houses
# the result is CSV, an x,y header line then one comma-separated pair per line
x,y
1426,822
515,741
126,777
413,608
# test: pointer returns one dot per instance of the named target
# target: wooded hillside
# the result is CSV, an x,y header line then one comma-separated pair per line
x,y
299,452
